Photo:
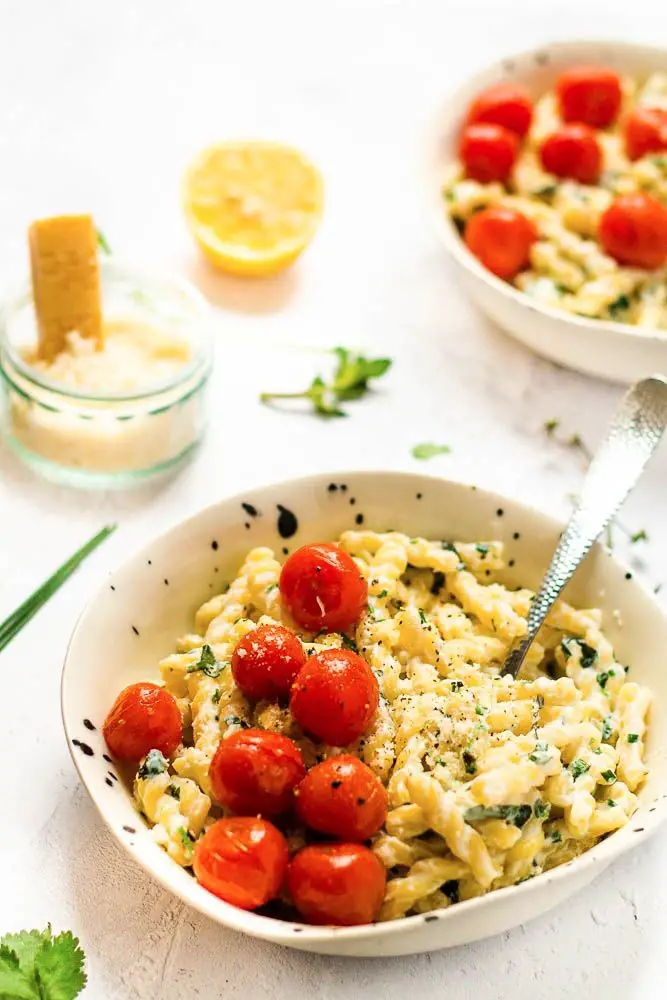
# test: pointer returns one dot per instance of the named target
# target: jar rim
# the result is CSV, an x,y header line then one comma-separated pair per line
x,y
115,268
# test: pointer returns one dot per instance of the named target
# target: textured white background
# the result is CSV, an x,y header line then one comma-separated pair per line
x,y
101,105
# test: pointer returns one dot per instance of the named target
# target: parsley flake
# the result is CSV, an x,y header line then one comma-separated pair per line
x,y
154,763
633,737
207,663
579,767
516,815
427,450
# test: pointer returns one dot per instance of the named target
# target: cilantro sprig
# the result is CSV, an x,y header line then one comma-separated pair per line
x,y
35,965
349,381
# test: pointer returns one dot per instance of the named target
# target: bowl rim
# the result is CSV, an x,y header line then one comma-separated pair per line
x,y
652,814
443,225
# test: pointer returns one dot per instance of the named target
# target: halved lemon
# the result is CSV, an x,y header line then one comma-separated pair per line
x,y
253,207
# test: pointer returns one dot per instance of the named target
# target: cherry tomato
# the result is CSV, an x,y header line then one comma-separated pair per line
x,y
266,661
573,151
503,104
589,94
242,860
343,797
633,231
501,238
144,717
321,587
488,152
335,697
645,132
256,771
337,884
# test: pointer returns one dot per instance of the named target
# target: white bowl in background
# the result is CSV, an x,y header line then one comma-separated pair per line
x,y
614,351
140,610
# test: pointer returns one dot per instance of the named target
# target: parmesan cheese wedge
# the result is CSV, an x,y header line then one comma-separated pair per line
x,y
65,281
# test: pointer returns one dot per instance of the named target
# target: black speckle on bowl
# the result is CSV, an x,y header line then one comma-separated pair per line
x,y
500,512
109,782
247,525
114,777
516,536
135,630
639,829
250,509
509,65
343,487
285,550
511,563
214,545
628,575
107,758
542,58
353,500
332,488
166,582
150,562
84,748
359,519
89,725
129,829
430,917
297,930
111,586
287,522
419,495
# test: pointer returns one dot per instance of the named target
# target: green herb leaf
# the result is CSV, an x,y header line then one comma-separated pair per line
x,y
470,762
611,803
480,710
482,548
102,242
516,815
347,642
607,728
207,663
579,767
25,946
619,305
422,617
608,776
542,809
383,593
425,451
59,968
186,838
639,536
587,655
604,676
349,381
633,737
215,697
551,426
541,754
556,837
174,791
14,983
154,763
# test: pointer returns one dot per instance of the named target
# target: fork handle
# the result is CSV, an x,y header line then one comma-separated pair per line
x,y
631,439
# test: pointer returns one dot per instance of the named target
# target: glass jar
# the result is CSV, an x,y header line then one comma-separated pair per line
x,y
103,439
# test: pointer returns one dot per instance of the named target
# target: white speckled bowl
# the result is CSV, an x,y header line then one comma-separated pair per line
x,y
615,351
140,610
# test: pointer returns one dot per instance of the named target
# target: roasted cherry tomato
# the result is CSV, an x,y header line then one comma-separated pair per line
x,y
503,104
343,797
337,884
633,231
645,132
256,771
573,151
589,94
335,697
501,238
488,152
242,860
143,717
266,661
321,587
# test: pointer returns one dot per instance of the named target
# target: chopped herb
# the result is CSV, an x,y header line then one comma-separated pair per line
x,y
422,617
516,815
451,890
639,536
154,763
619,305
383,593
234,720
480,710
470,762
607,728
542,809
350,381
551,426
556,836
546,191
35,965
102,242
215,697
633,737
611,803
271,586
174,791
596,750
348,643
603,677
541,754
608,776
587,655
207,663
482,548
186,838
425,451
579,767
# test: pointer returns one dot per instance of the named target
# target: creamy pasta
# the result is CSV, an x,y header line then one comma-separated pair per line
x,y
568,269
491,780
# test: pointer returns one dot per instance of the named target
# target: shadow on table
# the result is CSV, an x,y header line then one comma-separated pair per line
x,y
254,296
150,944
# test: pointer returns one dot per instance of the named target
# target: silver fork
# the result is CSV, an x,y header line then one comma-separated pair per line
x,y
631,439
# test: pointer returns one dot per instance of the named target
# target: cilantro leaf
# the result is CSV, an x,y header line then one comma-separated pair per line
x,y
207,663
25,946
59,968
349,381
587,655
14,983
427,450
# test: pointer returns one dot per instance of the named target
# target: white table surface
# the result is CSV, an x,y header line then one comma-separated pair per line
x,y
101,105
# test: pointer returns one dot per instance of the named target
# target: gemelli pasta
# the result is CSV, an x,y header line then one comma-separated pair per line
x,y
490,780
